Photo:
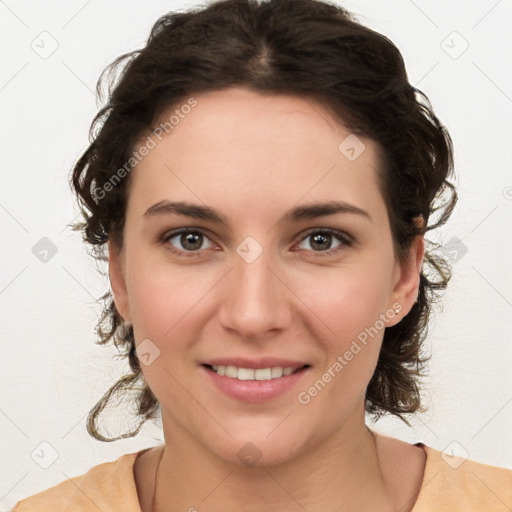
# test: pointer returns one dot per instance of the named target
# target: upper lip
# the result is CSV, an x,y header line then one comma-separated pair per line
x,y
264,362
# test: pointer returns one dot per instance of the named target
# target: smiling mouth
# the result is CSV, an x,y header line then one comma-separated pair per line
x,y
260,374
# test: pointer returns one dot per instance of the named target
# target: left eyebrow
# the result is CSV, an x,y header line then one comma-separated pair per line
x,y
310,211
314,210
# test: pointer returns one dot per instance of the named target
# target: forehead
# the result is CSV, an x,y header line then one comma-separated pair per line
x,y
249,149
238,120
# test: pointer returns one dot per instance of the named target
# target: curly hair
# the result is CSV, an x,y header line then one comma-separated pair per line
x,y
311,49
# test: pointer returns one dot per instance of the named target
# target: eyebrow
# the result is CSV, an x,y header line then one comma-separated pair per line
x,y
308,211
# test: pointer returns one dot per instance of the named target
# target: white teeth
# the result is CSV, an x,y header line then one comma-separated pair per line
x,y
241,373
251,374
276,372
231,371
263,374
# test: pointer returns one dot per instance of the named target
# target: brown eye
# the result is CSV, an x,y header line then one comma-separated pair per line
x,y
185,240
191,241
321,240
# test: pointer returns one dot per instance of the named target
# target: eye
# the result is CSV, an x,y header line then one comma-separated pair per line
x,y
191,241
321,239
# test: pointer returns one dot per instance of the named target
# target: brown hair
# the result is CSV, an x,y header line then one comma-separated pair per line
x,y
311,49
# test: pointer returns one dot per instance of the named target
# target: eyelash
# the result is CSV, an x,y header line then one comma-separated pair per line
x,y
343,237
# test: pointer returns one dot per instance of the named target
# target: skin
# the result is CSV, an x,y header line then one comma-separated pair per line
x,y
253,157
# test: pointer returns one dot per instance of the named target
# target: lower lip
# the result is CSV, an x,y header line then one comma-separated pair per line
x,y
255,391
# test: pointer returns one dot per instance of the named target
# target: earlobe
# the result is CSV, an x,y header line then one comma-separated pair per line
x,y
117,282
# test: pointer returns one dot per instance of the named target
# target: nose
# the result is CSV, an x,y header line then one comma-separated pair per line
x,y
256,299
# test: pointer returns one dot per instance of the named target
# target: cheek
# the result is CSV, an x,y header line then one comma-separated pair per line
x,y
165,302
352,354
162,299
350,305
346,300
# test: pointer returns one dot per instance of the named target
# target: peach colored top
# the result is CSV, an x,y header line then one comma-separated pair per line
x,y
450,484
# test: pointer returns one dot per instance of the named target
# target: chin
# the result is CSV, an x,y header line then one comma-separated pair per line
x,y
259,449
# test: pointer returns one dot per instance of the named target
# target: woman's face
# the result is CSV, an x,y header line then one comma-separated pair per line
x,y
267,282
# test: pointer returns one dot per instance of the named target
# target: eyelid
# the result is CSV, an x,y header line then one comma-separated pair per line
x,y
346,239
342,235
164,239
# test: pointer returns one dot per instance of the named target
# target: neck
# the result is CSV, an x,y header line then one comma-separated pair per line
x,y
342,473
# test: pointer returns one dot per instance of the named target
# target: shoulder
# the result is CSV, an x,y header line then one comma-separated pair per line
x,y
454,483
107,487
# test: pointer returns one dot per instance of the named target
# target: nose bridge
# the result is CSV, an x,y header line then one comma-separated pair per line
x,y
256,300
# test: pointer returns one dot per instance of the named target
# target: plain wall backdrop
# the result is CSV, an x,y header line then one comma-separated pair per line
x,y
458,53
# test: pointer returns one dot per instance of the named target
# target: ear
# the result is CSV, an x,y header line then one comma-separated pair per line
x,y
406,278
117,281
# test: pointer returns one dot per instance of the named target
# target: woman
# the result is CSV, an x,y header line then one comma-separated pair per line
x,y
263,176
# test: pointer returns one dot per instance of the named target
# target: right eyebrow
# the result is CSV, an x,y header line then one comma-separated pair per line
x,y
187,209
